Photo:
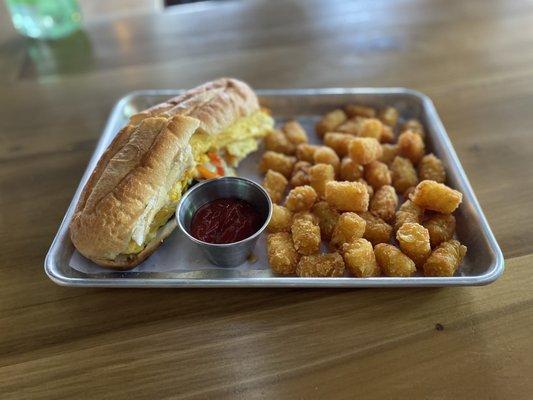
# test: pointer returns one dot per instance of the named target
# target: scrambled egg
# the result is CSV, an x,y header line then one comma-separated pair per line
x,y
239,140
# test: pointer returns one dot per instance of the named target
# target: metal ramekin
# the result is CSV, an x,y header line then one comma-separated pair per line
x,y
231,254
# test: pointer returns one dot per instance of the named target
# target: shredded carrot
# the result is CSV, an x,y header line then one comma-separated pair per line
x,y
205,173
217,162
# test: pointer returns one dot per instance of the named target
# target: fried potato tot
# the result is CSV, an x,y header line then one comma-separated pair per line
x,y
301,198
339,142
376,230
321,266
275,185
403,174
389,116
278,162
441,228
330,121
300,174
307,215
281,220
369,188
282,255
435,196
370,127
411,146
295,132
354,110
305,235
277,141
326,155
431,168
389,152
384,202
319,175
359,258
364,150
414,242
350,170
327,218
393,262
347,196
387,134
349,226
306,152
445,259
377,174
408,212
415,126
350,127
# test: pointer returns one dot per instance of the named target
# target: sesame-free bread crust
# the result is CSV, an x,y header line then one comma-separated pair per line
x,y
140,165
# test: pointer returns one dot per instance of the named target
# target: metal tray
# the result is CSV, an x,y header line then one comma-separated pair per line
x,y
482,265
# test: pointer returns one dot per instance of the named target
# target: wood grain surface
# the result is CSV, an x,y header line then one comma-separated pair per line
x,y
473,58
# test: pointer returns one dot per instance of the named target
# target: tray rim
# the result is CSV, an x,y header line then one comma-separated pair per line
x,y
488,277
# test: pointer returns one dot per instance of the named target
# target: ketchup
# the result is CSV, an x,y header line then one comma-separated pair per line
x,y
225,221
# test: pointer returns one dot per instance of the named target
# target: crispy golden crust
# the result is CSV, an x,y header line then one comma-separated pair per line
x,y
140,165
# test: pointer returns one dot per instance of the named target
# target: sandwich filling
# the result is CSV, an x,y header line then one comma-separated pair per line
x,y
205,157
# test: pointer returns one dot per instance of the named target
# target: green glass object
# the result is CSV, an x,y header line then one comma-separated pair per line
x,y
45,19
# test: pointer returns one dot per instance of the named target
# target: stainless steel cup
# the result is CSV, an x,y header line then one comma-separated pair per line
x,y
231,254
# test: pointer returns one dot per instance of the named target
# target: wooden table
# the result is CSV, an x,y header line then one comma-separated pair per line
x,y
474,59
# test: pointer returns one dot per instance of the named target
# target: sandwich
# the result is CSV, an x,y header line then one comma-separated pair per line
x,y
126,209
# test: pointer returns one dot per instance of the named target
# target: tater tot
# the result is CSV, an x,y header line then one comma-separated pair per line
x,y
326,155
347,196
445,259
389,152
376,230
275,185
327,218
301,198
377,174
364,150
338,142
414,242
411,146
359,258
305,152
295,132
281,220
431,168
403,174
415,126
319,175
321,266
408,212
349,226
278,162
441,228
393,262
384,203
370,127
330,121
350,127
436,197
282,255
389,116
387,134
277,141
354,110
350,170
300,174
309,216
408,192
369,188
305,236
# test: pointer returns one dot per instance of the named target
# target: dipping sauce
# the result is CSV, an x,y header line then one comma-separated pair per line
x,y
225,221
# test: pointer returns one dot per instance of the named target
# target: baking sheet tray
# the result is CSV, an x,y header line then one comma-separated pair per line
x,y
178,263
